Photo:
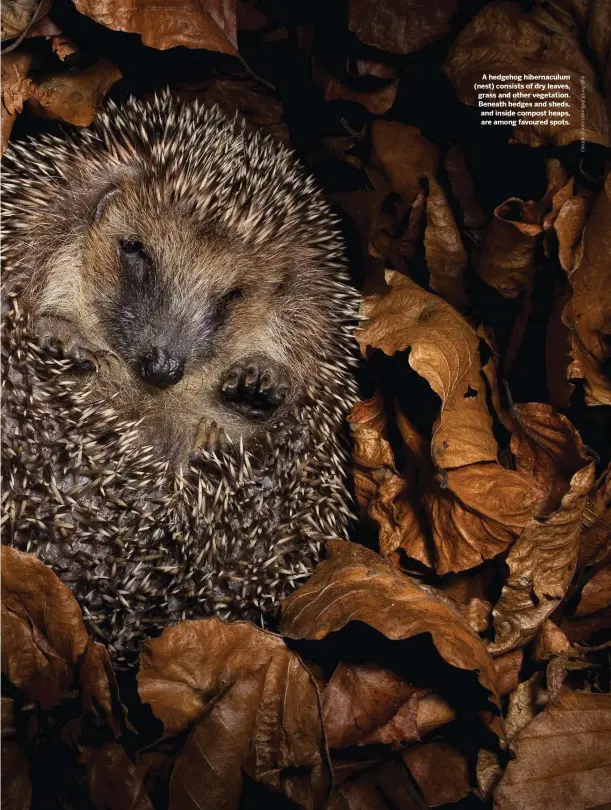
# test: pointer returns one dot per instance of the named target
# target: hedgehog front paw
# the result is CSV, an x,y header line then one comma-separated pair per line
x,y
60,337
210,438
255,386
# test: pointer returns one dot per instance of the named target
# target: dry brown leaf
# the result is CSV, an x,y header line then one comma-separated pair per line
x,y
113,780
401,28
255,706
42,628
19,15
463,189
16,88
596,594
502,39
506,259
363,704
541,564
385,787
192,24
563,758
549,641
408,163
356,585
522,705
99,689
588,311
74,97
441,772
378,101
16,786
433,712
508,671
387,497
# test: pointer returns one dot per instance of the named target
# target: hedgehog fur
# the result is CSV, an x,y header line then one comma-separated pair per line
x,y
144,536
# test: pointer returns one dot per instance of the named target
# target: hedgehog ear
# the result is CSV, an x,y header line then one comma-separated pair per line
x,y
103,203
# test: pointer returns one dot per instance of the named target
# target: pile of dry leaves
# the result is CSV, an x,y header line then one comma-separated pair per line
x,y
458,652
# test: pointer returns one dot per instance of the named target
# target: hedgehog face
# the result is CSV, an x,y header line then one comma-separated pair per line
x,y
177,308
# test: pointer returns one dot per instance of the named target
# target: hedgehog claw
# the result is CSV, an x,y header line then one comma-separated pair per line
x,y
210,438
255,387
58,336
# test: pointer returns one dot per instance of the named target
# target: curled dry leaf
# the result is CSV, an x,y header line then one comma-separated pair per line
x,y
113,781
541,564
549,641
74,97
16,88
408,164
18,15
502,39
363,704
522,705
588,311
210,26
596,594
378,101
506,259
441,772
508,671
99,689
255,708
399,28
42,628
563,757
384,787
463,189
356,585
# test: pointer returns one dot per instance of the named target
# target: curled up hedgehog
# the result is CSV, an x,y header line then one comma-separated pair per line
x,y
177,360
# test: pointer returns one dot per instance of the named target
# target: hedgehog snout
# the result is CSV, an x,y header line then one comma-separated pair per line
x,y
160,368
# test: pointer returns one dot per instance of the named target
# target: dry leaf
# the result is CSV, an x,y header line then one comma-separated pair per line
x,y
356,585
385,787
563,758
541,564
75,96
42,628
549,641
596,594
463,189
99,689
113,781
210,25
255,706
363,704
16,787
399,28
441,772
16,88
502,39
588,311
378,101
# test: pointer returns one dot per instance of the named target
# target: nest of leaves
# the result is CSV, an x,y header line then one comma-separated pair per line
x,y
456,653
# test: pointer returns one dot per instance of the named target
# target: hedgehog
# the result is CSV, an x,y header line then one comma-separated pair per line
x,y
178,361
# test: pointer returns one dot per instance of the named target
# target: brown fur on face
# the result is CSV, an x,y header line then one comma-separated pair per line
x,y
206,298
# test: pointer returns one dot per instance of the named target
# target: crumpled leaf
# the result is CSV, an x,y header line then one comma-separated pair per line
x,y
385,787
541,564
356,585
42,628
363,704
506,259
99,689
502,39
563,757
399,29
16,88
255,708
408,164
377,100
463,188
16,786
441,772
192,24
113,780
596,594
549,641
18,15
74,97
588,311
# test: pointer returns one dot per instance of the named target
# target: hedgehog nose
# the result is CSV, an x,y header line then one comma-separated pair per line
x,y
159,368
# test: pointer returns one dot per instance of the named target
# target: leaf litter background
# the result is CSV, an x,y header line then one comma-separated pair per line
x,y
456,654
